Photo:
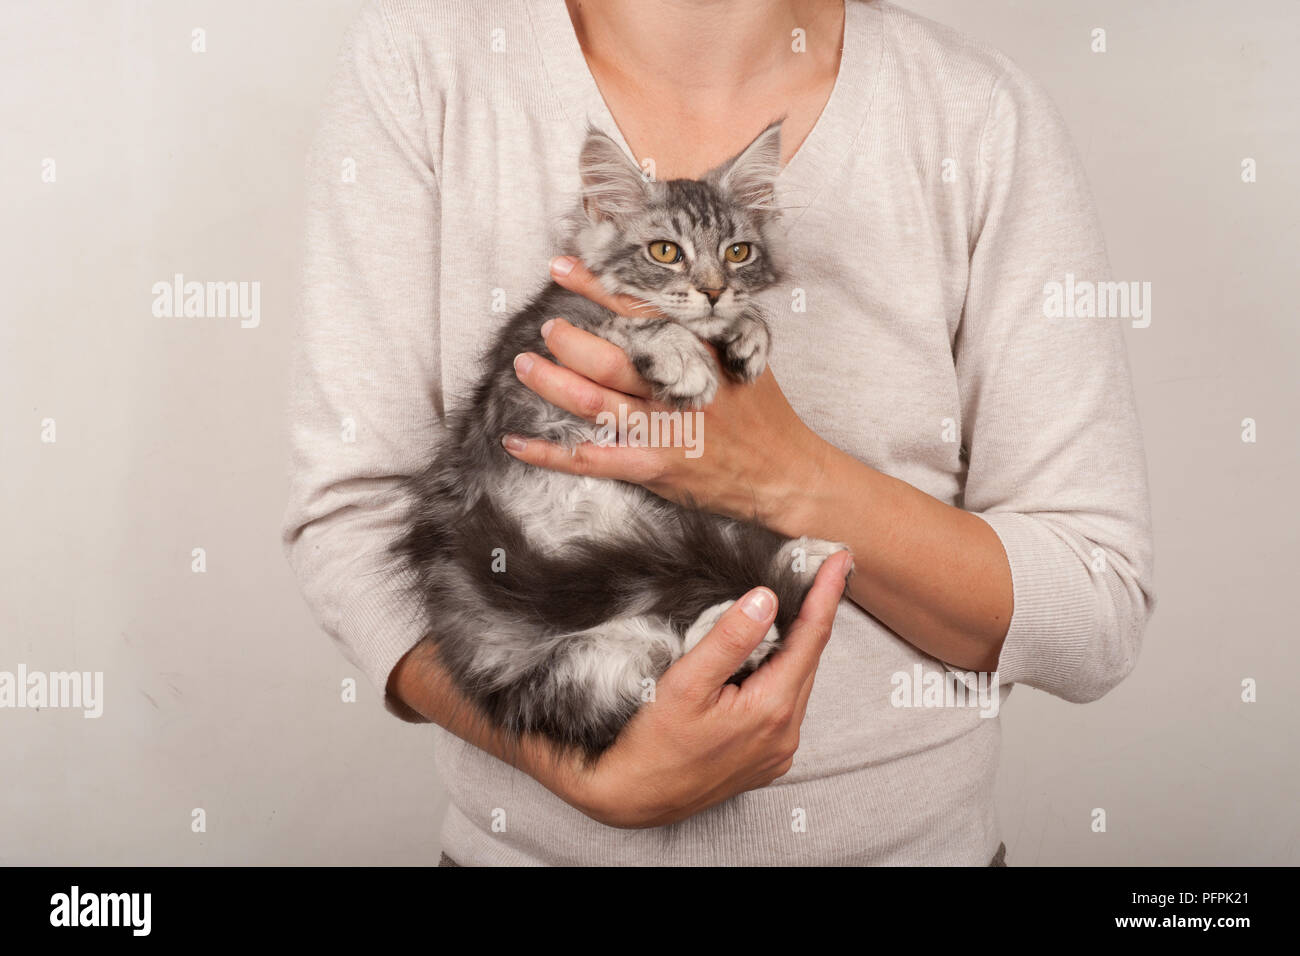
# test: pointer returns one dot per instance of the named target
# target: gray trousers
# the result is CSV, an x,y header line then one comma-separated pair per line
x,y
999,858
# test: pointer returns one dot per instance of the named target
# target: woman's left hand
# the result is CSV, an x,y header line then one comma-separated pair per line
x,y
755,459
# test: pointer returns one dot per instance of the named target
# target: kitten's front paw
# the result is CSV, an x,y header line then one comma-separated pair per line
x,y
679,367
744,355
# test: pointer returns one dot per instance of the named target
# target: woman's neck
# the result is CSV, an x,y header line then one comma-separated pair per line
x,y
689,81
704,46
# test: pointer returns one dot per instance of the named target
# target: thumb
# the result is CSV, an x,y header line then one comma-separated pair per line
x,y
739,630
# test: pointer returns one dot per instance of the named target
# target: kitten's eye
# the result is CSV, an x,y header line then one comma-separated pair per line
x,y
661,250
738,252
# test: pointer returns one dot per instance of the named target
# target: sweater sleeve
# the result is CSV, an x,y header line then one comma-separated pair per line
x,y
365,374
1055,458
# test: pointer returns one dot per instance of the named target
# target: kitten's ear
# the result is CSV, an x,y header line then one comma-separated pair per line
x,y
612,187
750,178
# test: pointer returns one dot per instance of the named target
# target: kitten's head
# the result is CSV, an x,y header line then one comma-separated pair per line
x,y
695,249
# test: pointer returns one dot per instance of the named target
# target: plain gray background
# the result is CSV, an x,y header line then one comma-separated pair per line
x,y
220,691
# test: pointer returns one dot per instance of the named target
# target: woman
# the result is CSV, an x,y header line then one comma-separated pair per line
x,y
981,458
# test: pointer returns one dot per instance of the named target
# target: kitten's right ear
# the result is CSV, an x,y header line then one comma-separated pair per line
x,y
750,177
612,187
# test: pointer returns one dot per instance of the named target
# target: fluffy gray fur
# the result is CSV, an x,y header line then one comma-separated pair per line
x,y
604,584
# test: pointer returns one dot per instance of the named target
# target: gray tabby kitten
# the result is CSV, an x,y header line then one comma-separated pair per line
x,y
604,584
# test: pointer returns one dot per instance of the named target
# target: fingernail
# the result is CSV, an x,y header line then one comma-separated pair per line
x,y
523,363
757,605
562,265
514,443
546,327
848,563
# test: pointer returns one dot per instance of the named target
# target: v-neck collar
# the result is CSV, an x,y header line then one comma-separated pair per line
x,y
823,149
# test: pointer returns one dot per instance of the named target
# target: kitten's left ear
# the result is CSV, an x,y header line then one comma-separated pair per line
x,y
750,178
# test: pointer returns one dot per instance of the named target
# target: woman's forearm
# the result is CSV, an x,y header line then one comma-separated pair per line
x,y
421,683
934,574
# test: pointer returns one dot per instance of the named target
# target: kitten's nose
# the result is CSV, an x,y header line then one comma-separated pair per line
x,y
712,295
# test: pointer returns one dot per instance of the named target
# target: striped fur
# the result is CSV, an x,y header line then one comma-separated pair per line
x,y
556,601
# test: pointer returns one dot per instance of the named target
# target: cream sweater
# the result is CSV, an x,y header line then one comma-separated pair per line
x,y
931,211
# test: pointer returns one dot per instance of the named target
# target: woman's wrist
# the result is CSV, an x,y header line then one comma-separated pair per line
x,y
802,490
604,796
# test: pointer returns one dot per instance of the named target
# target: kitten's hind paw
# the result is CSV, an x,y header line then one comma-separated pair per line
x,y
805,556
709,617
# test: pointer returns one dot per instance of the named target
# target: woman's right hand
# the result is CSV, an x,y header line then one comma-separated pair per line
x,y
702,740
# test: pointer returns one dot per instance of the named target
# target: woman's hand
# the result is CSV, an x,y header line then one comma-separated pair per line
x,y
702,740
756,458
